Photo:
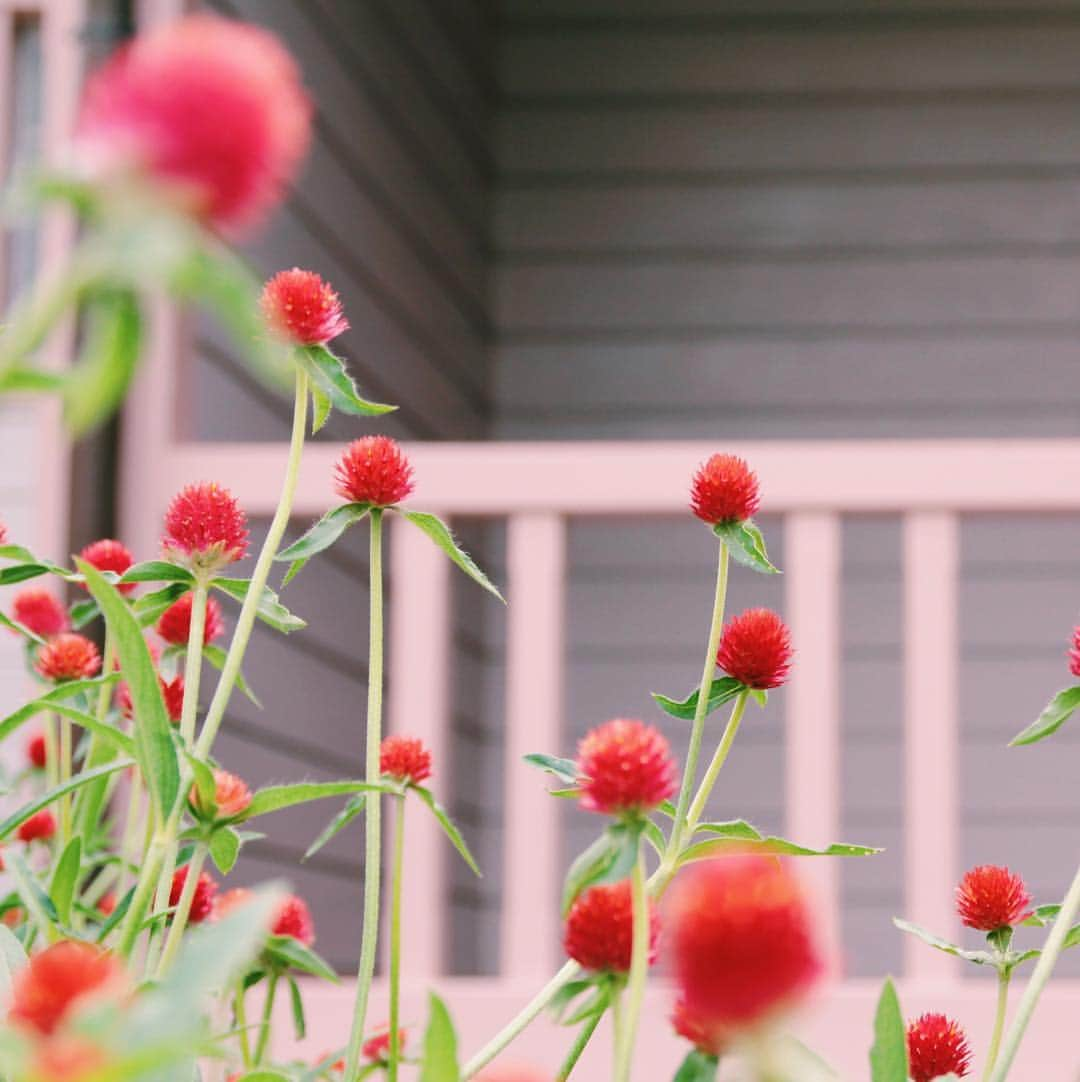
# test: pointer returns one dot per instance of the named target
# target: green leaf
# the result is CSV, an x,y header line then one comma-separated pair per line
x,y
451,831
12,960
980,958
204,784
153,731
566,994
888,1057
290,953
216,656
722,690
14,573
96,384
697,1067
276,797
158,571
297,1002
440,1045
736,837
609,859
149,607
655,837
746,545
320,410
732,828
1041,916
224,849
116,916
65,879
352,809
564,769
121,741
59,694
82,612
329,376
271,611
16,819
440,533
38,904
321,536
1054,715
14,625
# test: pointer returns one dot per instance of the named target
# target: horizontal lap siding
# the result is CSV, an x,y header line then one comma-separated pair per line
x,y
723,219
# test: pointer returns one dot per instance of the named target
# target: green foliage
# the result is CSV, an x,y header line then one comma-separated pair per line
x,y
738,836
440,533
321,536
888,1056
333,382
270,609
609,859
1056,712
722,690
697,1067
275,797
746,545
448,827
440,1045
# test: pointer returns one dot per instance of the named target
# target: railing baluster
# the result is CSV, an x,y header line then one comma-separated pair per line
x,y
812,577
536,563
930,725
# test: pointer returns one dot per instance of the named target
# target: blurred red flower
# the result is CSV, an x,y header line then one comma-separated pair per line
x,y
174,624
39,611
109,555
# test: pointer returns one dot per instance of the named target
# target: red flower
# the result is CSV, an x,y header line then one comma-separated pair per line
x,y
625,766
377,1047
68,657
724,489
110,555
405,758
707,1038
373,470
936,1046
174,624
58,978
599,931
205,527
231,795
740,940
1074,653
756,649
107,904
39,611
68,1059
172,692
293,918
300,306
39,827
991,897
210,108
202,901
35,751
3,534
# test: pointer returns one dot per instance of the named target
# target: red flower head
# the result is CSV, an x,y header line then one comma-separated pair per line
x,y
205,528
376,1048
39,611
39,827
991,897
303,308
600,929
35,751
740,940
58,979
172,692
202,901
107,904
174,624
710,1039
936,1046
405,758
3,534
625,766
294,918
211,109
373,470
231,795
756,649
1074,653
724,489
110,555
68,657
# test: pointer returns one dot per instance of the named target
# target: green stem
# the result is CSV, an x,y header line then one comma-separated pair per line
x,y
65,776
193,661
183,909
1055,943
373,827
397,875
1004,974
91,799
639,969
617,1016
52,752
578,1047
520,1022
240,1014
267,1018
697,809
132,924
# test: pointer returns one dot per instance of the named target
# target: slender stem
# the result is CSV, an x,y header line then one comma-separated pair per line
x,y
155,856
697,809
397,875
999,1020
65,776
92,798
1055,943
693,753
578,1047
373,827
52,752
639,969
183,909
193,661
240,1014
617,1015
128,846
520,1022
267,1018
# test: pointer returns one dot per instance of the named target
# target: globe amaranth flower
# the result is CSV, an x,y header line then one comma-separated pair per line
x,y
231,796
599,933
990,897
724,489
936,1046
303,308
625,767
174,624
704,1036
202,901
213,111
110,555
172,694
405,759
205,528
293,918
59,979
37,610
376,1049
740,940
68,656
756,650
1074,653
36,754
373,470
40,827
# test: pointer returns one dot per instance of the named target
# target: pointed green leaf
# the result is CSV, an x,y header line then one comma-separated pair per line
x,y
59,694
1054,715
440,533
448,827
17,818
726,846
270,611
320,410
276,797
697,1067
328,374
109,733
82,612
722,690
325,532
351,811
14,573
440,1045
32,895
224,849
158,571
14,625
297,1002
65,879
746,545
733,828
289,952
149,607
980,958
564,769
607,860
888,1056
116,916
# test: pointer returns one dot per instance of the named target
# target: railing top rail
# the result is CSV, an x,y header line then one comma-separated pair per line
x,y
652,477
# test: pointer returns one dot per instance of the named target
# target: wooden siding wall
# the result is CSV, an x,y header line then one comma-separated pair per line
x,y
722,219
